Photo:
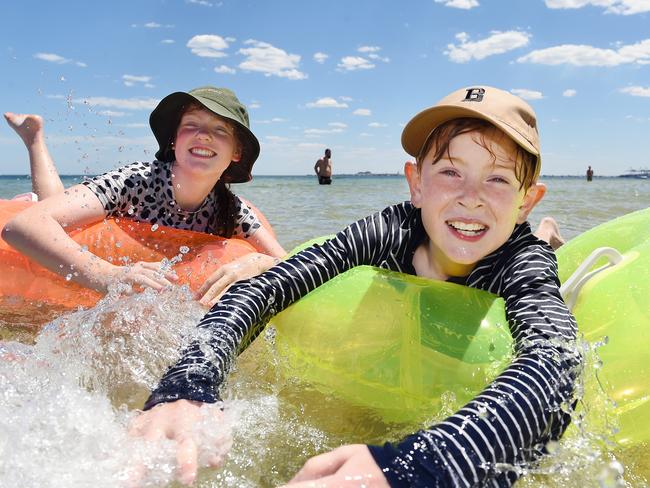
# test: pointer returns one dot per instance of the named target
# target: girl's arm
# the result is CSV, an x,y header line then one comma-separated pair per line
x,y
39,233
269,253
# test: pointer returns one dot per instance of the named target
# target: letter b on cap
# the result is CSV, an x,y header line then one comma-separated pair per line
x,y
474,95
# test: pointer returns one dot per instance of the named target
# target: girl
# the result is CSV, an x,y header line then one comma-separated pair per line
x,y
205,143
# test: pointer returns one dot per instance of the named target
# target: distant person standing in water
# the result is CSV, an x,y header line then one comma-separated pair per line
x,y
590,174
323,168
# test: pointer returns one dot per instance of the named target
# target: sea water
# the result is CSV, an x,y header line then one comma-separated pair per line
x,y
69,393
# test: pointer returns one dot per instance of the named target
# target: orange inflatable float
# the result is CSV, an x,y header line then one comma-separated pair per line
x,y
120,241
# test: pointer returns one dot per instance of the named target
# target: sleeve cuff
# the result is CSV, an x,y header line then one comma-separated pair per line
x,y
168,391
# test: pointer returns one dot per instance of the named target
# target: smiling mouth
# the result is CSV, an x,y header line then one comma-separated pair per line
x,y
204,153
467,229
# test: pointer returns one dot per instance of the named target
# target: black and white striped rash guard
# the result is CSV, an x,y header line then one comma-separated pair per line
x,y
486,441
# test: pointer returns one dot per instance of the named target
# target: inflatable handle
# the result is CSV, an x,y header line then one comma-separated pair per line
x,y
571,287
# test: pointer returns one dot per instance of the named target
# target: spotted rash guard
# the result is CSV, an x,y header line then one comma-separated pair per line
x,y
507,425
143,191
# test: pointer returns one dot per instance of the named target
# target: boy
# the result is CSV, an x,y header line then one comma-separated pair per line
x,y
478,160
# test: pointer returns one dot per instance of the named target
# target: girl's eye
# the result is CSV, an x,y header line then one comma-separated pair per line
x,y
449,172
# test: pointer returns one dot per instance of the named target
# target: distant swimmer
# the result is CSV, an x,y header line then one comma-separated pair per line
x,y
323,168
590,174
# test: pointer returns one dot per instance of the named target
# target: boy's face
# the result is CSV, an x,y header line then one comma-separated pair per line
x,y
205,144
470,202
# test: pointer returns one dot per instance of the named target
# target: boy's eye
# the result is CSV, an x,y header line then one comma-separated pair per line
x,y
449,172
499,179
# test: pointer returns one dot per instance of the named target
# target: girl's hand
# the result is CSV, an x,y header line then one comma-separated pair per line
x,y
348,466
240,269
139,275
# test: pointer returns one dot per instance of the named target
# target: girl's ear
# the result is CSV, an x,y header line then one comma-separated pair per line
x,y
532,197
237,153
413,179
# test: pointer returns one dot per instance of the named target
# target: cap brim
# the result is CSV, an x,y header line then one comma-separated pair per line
x,y
417,131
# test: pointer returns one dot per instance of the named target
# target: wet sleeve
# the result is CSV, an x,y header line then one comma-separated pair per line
x,y
120,190
489,440
242,313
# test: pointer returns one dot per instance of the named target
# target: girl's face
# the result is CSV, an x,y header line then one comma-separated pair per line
x,y
470,200
205,144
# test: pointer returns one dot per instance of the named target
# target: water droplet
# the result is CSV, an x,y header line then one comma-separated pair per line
x,y
154,227
184,249
118,244
68,277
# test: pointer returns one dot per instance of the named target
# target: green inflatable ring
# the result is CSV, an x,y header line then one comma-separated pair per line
x,y
399,344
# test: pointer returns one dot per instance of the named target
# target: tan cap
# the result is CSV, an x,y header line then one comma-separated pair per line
x,y
506,111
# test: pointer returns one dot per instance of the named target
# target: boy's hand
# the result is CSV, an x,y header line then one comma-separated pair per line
x,y
180,421
240,269
348,466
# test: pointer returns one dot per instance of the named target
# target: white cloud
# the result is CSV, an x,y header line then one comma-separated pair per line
x,y
131,80
327,102
339,125
365,112
254,104
497,43
167,41
620,7
205,3
376,124
317,132
637,91
527,94
208,46
320,57
230,39
56,59
120,103
276,139
153,25
584,55
346,99
464,4
377,57
369,49
271,121
223,69
353,63
569,93
270,60
112,113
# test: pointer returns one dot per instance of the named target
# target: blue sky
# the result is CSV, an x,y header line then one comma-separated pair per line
x,y
341,74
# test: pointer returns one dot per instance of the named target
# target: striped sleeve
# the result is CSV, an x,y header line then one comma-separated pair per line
x,y
242,313
509,424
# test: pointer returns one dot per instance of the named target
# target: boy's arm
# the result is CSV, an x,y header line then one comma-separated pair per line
x,y
524,408
243,311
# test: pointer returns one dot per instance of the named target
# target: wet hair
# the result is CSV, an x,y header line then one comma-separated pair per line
x,y
224,218
328,153
440,138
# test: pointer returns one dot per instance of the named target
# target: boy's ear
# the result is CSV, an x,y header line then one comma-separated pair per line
x,y
413,179
533,196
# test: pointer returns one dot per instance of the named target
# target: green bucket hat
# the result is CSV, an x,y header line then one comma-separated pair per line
x,y
165,118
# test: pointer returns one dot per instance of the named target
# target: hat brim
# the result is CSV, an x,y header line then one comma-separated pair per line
x,y
417,130
164,121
